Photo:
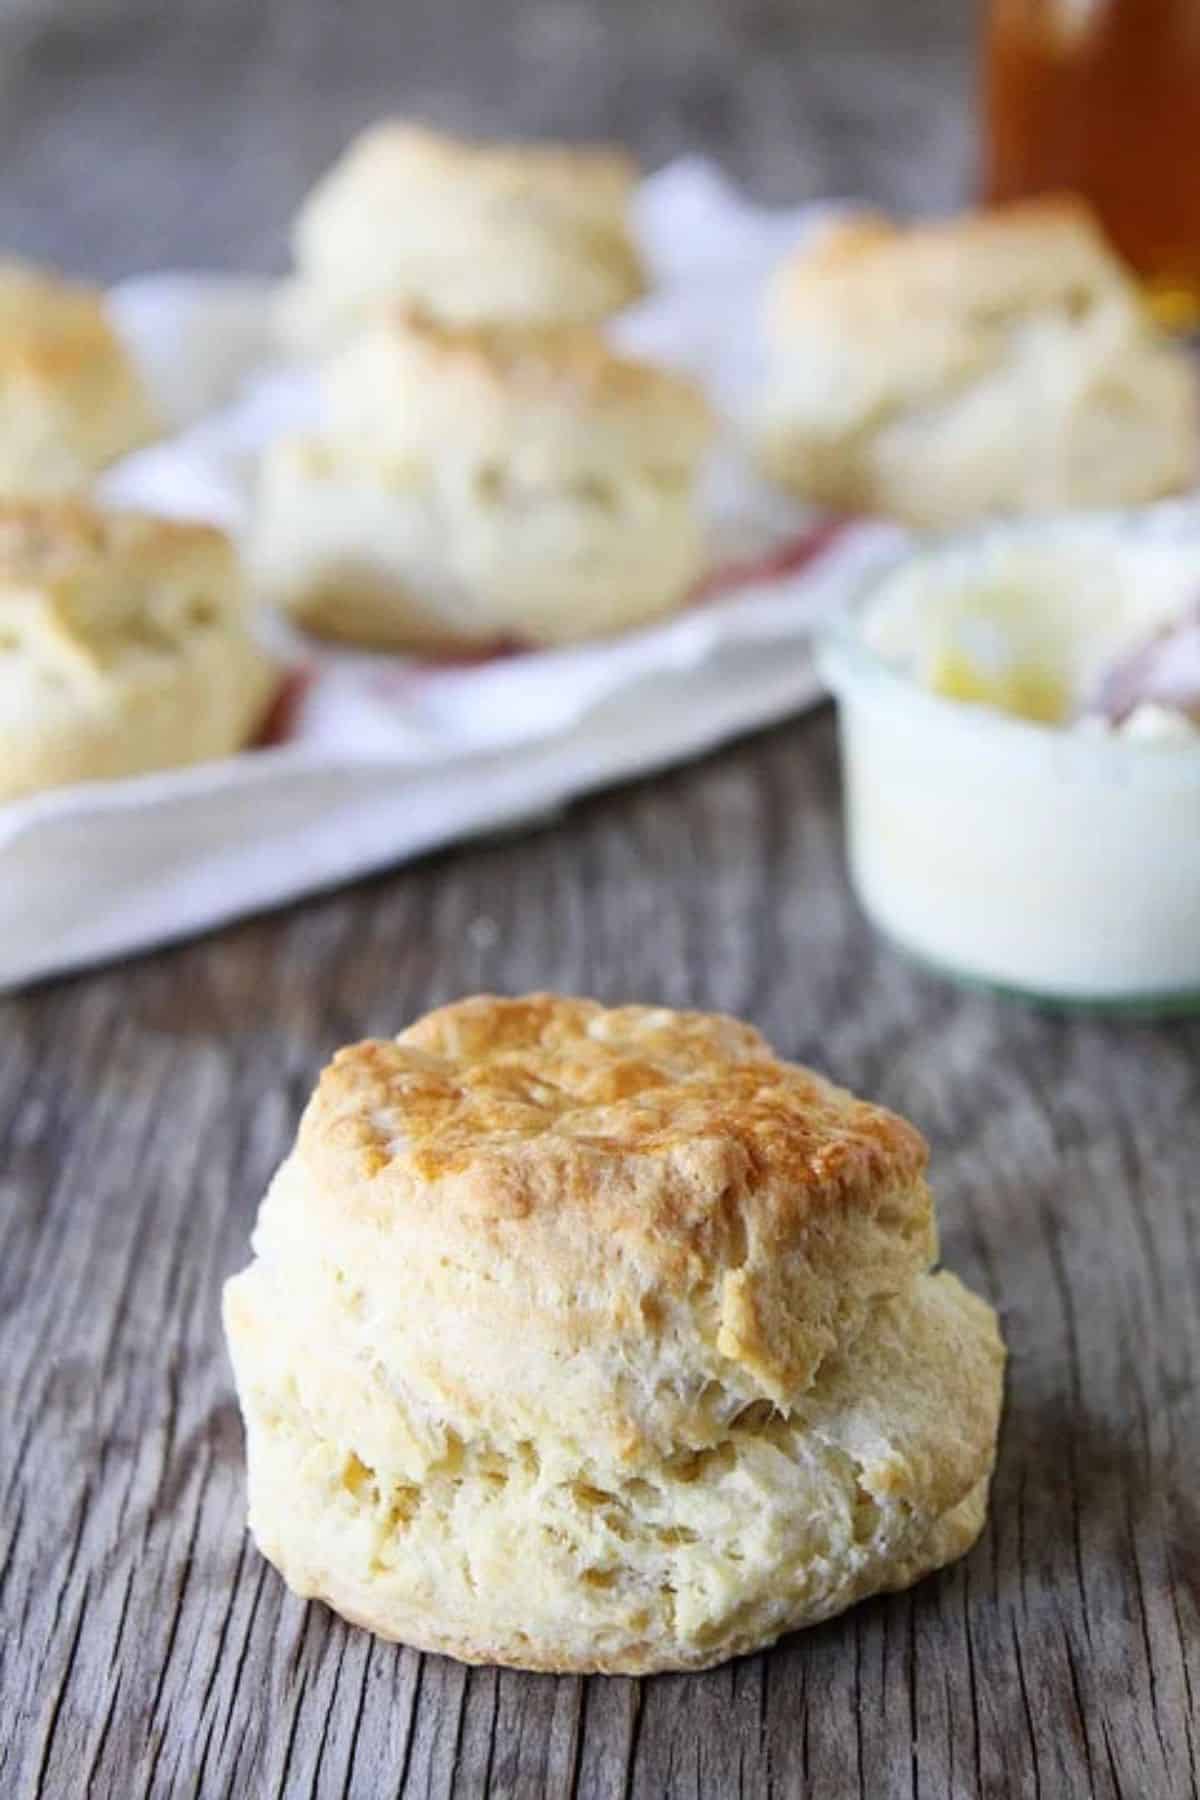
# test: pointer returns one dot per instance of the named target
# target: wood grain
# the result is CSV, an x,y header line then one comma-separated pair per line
x,y
147,1649
140,136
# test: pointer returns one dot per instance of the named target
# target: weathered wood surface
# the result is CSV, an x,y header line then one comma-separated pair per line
x,y
136,135
146,1647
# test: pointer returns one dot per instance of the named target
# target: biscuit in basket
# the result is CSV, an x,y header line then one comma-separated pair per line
x,y
71,401
481,485
123,646
524,233
1000,363
589,1339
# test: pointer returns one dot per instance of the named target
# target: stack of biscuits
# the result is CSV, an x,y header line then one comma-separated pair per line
x,y
487,470
124,642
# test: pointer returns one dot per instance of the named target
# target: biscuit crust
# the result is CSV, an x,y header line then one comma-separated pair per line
x,y
123,646
590,1338
71,401
409,381
997,363
485,485
473,232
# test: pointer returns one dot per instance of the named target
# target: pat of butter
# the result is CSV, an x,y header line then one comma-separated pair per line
x,y
1021,688
995,650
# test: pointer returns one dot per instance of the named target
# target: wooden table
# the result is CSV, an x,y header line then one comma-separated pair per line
x,y
147,1649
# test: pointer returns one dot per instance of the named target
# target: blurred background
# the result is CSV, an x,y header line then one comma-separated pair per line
x,y
143,134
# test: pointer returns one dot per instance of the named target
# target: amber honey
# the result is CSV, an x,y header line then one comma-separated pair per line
x,y
1102,97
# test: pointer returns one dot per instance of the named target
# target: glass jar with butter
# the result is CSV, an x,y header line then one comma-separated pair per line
x,y
1020,727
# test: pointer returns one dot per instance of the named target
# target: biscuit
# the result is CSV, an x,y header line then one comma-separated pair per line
x,y
71,401
587,1339
1000,363
483,485
123,646
474,233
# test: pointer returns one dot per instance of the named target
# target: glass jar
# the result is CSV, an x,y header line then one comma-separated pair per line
x,y
1102,98
1043,861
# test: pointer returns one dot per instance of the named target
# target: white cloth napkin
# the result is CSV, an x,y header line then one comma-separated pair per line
x,y
383,757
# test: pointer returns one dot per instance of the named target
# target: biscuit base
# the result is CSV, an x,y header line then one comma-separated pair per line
x,y
550,1557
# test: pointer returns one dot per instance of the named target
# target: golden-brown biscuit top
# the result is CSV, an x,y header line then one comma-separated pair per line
x,y
1027,255
408,372
43,539
51,331
574,179
507,1089
82,587
653,1188
575,363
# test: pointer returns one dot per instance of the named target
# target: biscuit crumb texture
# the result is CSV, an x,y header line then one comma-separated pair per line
x,y
589,1339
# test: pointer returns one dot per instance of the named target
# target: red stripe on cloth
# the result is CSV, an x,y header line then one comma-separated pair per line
x,y
798,553
283,718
